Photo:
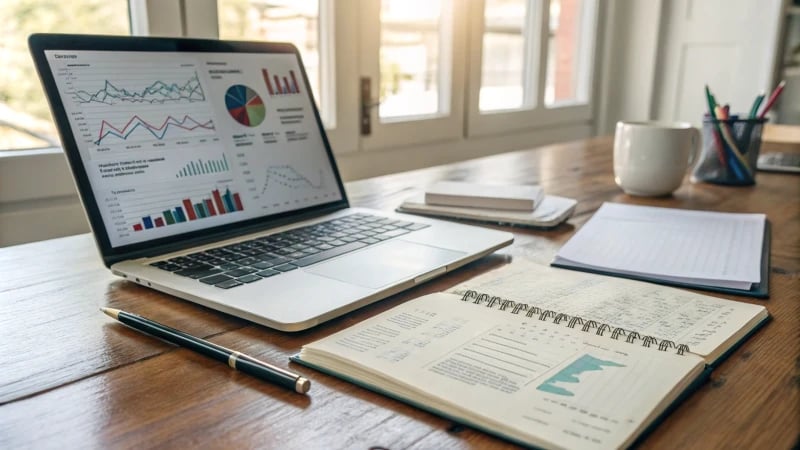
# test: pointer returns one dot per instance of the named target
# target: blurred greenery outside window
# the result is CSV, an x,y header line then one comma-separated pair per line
x,y
25,121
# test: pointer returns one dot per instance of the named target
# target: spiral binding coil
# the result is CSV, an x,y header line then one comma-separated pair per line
x,y
587,326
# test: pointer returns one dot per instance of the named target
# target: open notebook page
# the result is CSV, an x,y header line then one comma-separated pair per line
x,y
528,380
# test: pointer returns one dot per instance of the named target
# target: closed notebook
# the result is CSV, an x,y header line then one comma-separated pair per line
x,y
473,195
531,367
550,212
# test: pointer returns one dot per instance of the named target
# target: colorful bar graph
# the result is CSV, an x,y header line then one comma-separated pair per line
x,y
212,205
281,85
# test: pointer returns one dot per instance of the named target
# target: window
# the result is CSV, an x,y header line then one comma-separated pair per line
x,y
410,71
414,58
536,66
568,52
507,81
411,54
25,121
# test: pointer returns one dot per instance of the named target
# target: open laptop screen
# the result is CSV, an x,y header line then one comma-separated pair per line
x,y
178,142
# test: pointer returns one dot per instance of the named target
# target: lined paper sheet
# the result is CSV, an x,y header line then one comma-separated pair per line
x,y
703,247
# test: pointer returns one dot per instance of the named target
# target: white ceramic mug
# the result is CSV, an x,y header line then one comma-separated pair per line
x,y
651,158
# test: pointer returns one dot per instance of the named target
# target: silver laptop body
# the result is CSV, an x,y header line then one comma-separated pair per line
x,y
206,173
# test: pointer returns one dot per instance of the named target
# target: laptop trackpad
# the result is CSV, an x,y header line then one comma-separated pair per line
x,y
386,263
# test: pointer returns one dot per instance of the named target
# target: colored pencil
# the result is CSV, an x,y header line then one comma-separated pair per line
x,y
722,128
715,127
756,105
772,98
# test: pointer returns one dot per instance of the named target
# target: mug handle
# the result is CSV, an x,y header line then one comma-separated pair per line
x,y
696,144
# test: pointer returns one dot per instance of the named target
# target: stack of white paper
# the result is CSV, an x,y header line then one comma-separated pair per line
x,y
694,247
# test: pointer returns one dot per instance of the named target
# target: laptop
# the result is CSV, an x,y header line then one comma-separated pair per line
x,y
205,173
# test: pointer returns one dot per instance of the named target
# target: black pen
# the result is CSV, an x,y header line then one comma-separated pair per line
x,y
234,359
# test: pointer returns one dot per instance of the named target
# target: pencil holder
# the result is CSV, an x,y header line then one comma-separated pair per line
x,y
729,153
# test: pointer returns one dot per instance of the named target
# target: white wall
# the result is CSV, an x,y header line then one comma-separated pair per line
x,y
659,55
628,62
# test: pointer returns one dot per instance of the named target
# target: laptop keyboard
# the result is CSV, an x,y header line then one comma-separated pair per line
x,y
253,260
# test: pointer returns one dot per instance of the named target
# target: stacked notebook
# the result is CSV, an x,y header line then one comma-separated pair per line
x,y
525,205
541,356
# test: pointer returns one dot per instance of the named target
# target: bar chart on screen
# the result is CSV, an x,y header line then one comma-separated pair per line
x,y
280,85
142,209
204,167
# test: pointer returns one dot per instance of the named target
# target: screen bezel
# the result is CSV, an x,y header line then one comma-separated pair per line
x,y
39,43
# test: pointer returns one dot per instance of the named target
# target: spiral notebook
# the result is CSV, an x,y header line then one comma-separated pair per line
x,y
541,356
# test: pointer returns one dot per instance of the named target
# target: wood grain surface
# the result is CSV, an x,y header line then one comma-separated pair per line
x,y
72,378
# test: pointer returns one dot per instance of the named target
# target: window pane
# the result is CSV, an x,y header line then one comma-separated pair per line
x,y
24,116
504,78
414,58
568,53
295,21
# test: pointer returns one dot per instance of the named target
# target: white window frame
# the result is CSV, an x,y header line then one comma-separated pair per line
x,y
405,131
344,60
157,17
540,115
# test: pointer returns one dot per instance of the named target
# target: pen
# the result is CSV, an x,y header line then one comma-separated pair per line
x,y
234,359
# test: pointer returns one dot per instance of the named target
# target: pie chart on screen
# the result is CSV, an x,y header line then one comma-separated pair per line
x,y
244,105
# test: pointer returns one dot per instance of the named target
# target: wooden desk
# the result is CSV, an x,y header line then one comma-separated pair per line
x,y
72,378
